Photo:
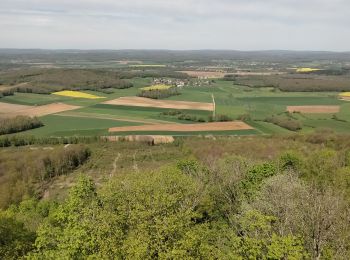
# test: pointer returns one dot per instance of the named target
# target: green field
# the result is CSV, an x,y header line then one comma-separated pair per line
x,y
67,126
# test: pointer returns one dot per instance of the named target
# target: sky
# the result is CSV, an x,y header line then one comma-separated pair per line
x,y
176,24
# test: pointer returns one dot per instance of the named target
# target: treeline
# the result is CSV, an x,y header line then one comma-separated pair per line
x,y
159,93
18,124
285,122
6,92
296,82
294,206
46,81
25,173
182,115
23,140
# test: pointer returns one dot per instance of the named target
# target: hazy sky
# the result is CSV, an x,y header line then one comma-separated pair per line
x,y
176,24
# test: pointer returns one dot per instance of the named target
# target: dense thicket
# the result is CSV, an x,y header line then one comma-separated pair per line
x,y
285,122
23,140
24,174
297,83
263,198
46,81
18,124
159,94
6,92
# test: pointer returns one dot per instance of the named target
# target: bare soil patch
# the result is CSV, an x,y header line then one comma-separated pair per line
x,y
19,110
6,108
314,109
217,126
146,102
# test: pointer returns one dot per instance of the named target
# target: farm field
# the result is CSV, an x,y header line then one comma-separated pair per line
x,y
146,102
76,94
38,111
314,109
218,126
235,101
55,125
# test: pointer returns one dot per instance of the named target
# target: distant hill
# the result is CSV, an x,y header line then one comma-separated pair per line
x,y
40,55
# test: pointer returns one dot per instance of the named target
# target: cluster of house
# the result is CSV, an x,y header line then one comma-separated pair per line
x,y
174,82
180,83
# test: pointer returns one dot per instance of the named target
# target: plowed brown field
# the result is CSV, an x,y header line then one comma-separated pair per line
x,y
11,110
314,109
217,126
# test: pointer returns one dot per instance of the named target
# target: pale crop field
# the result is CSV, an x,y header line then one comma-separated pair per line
x,y
76,94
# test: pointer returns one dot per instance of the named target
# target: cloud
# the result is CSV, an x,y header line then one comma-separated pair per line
x,y
176,24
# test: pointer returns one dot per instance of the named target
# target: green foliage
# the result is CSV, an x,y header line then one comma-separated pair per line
x,y
291,160
15,240
254,178
24,173
321,166
216,204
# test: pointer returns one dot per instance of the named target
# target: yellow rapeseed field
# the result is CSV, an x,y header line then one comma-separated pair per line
x,y
76,94
157,87
305,70
345,94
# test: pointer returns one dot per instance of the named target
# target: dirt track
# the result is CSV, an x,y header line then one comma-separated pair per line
x,y
217,126
147,102
314,109
11,110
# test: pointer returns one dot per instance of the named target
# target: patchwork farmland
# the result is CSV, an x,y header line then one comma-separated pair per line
x,y
199,100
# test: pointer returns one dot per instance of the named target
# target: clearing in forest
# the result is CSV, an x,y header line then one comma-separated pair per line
x,y
314,109
216,126
170,104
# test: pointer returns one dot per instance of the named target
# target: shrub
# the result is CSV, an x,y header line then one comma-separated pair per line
x,y
287,123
